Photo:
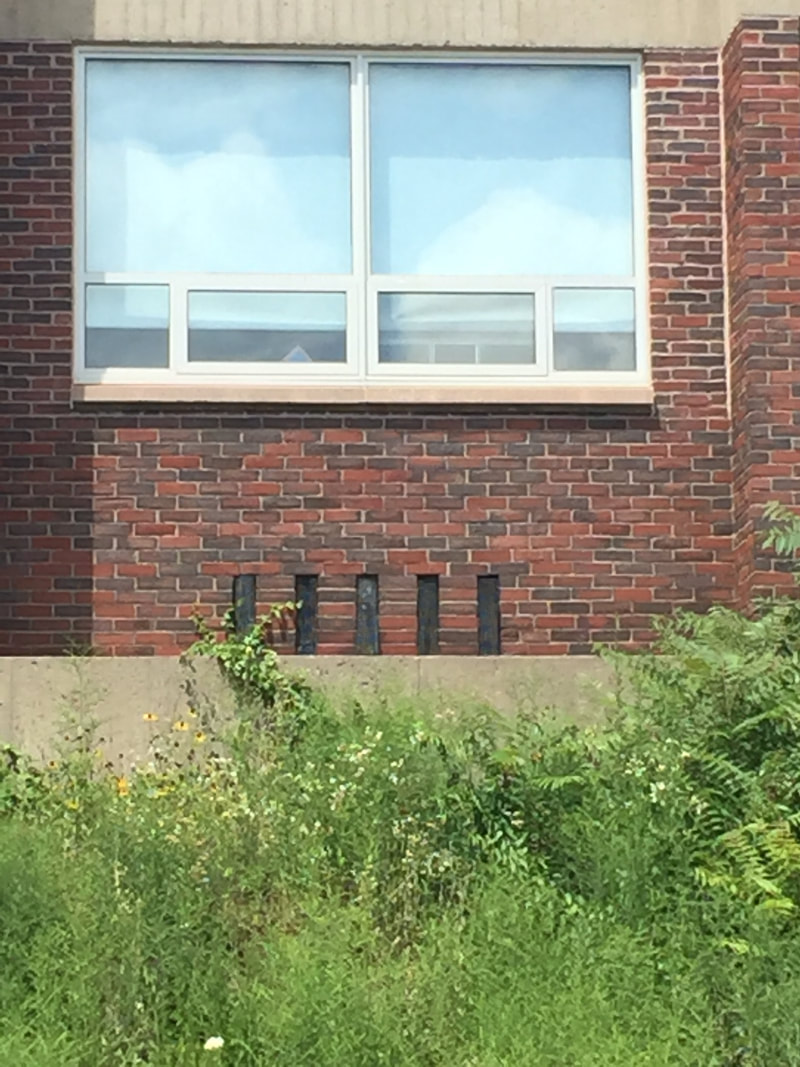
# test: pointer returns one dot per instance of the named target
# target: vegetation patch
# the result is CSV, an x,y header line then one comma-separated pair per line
x,y
306,885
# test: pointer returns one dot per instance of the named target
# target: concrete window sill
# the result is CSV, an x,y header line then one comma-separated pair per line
x,y
445,394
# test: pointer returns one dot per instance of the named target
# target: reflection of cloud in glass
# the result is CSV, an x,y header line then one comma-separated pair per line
x,y
218,167
519,231
225,211
501,169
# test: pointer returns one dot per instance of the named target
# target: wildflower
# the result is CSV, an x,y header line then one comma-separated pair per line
x,y
52,764
181,724
123,786
73,805
200,737
150,716
190,711
213,1044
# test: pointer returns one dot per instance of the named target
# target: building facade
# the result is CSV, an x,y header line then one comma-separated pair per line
x,y
407,310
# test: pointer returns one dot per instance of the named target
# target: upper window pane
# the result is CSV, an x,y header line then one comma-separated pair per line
x,y
501,169
226,166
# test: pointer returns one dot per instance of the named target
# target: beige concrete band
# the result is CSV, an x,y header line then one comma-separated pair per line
x,y
38,695
591,24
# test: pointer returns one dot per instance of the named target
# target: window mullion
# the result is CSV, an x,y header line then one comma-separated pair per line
x,y
544,328
358,330
178,327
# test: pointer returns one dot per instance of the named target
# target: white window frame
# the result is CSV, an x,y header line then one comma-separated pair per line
x,y
361,287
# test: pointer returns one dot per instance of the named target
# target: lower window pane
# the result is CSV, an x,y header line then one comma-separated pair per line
x,y
227,327
594,329
127,326
457,328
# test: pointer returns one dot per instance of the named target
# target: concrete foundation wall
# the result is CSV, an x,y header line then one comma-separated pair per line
x,y
41,699
451,23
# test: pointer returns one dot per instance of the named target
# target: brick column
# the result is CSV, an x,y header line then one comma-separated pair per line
x,y
761,103
46,458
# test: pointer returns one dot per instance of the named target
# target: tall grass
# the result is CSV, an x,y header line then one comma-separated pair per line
x,y
378,886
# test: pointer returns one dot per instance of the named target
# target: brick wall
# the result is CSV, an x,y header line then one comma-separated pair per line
x,y
762,120
120,520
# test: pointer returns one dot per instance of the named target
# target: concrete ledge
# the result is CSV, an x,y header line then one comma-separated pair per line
x,y
38,696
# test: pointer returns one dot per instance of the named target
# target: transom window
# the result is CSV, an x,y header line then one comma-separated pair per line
x,y
359,218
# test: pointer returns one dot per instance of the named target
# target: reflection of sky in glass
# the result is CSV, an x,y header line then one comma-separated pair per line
x,y
594,330
133,306
220,311
459,309
501,169
594,309
218,166
127,326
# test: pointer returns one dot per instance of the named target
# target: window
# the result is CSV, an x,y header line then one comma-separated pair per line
x,y
359,219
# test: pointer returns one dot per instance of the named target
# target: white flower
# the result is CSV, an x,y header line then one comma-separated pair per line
x,y
213,1044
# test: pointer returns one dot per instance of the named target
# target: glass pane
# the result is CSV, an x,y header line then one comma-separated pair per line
x,y
460,328
218,166
594,329
127,326
501,169
267,327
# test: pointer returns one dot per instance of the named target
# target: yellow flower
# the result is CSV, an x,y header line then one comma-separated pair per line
x,y
123,786
191,713
150,716
181,724
200,737
52,764
73,805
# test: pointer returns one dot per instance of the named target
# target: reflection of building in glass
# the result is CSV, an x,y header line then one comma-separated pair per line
x,y
459,328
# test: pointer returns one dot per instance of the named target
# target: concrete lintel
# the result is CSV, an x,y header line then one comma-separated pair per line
x,y
563,24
